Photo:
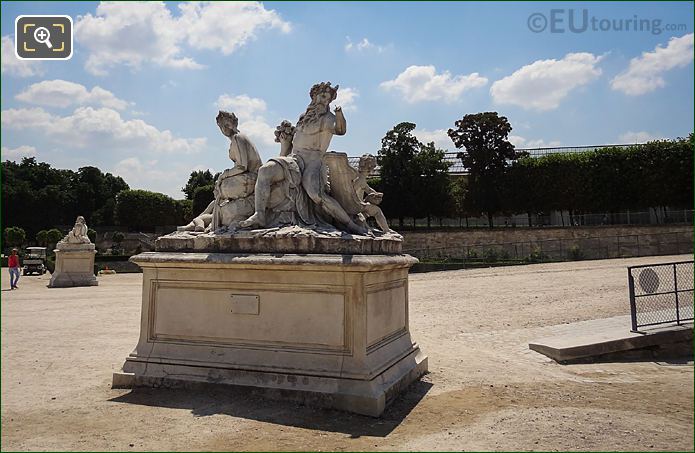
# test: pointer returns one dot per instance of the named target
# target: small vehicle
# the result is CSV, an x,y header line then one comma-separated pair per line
x,y
34,261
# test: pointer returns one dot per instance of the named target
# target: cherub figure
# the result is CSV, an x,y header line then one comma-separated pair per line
x,y
369,197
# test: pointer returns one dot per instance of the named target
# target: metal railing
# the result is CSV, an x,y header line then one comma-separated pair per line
x,y
557,219
660,294
456,166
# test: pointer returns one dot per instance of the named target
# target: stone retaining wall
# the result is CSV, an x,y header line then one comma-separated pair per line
x,y
554,243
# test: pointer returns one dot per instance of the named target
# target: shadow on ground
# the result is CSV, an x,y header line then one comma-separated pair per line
x,y
245,402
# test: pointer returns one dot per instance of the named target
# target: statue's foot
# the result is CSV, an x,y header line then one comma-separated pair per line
x,y
356,229
252,221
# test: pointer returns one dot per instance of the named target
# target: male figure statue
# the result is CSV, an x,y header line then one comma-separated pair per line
x,y
300,164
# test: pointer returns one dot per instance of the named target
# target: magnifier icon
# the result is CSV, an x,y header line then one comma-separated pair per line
x,y
42,35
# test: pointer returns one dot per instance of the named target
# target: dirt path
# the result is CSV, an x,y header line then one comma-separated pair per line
x,y
486,389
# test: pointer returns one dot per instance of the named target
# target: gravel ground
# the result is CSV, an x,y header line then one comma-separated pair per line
x,y
486,390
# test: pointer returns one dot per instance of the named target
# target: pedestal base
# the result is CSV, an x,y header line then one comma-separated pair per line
x,y
361,397
74,266
325,329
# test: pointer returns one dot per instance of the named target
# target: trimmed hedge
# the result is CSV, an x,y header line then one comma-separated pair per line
x,y
102,258
655,174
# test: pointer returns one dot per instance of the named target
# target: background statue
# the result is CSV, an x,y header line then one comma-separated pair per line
x,y
300,169
78,234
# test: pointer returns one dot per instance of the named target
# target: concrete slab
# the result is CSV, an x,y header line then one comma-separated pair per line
x,y
611,339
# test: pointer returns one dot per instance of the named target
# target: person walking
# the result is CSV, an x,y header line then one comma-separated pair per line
x,y
13,263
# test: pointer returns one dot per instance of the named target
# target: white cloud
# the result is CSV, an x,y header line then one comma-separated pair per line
x,y
521,142
16,154
131,35
346,98
543,84
100,129
645,72
226,26
61,93
438,136
422,83
362,46
242,105
155,175
251,113
137,33
13,65
638,137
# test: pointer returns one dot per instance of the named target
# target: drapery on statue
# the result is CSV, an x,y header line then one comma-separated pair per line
x,y
78,234
233,187
300,168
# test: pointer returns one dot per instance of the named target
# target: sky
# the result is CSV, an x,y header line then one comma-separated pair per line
x,y
140,94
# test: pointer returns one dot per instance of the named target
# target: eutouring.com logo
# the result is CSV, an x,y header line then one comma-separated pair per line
x,y
582,21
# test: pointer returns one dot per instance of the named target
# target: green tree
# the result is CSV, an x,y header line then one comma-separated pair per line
x,y
15,237
42,238
144,210
433,197
53,236
184,211
58,195
116,240
197,179
486,154
117,237
202,197
92,235
398,177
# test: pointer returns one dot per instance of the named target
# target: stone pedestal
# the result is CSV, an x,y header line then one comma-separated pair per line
x,y
74,266
331,329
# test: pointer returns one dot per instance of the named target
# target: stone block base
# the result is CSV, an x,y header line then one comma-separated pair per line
x,y
361,397
74,267
325,329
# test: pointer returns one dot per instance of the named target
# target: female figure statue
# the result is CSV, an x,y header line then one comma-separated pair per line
x,y
233,187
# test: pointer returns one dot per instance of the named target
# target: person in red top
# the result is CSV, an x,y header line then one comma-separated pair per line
x,y
13,263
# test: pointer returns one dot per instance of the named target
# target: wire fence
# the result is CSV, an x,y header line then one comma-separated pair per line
x,y
553,250
660,294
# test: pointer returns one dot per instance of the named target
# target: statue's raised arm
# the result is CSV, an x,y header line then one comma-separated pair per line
x,y
340,123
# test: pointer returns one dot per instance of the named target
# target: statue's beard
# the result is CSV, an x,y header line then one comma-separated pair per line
x,y
312,114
